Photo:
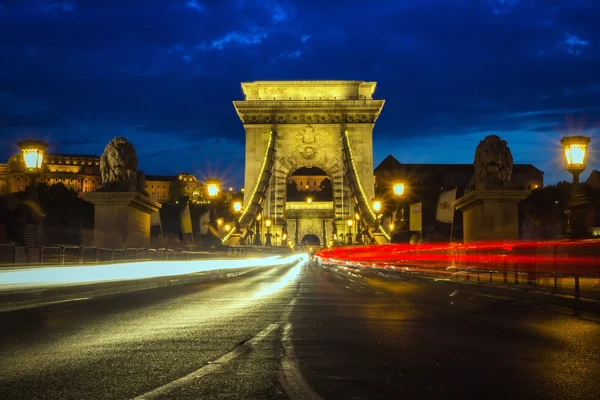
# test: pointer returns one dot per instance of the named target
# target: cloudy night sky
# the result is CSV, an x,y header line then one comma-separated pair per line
x,y
164,74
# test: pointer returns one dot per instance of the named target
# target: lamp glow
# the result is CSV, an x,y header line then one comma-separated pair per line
x,y
399,188
309,200
268,222
377,205
350,222
237,206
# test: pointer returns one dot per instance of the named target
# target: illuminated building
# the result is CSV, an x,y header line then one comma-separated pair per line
x,y
308,179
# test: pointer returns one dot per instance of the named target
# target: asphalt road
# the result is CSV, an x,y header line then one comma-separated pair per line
x,y
300,332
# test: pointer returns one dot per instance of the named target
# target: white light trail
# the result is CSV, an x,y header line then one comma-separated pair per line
x,y
27,278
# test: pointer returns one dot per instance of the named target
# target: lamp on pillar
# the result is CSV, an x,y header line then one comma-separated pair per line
x,y
268,235
257,238
575,151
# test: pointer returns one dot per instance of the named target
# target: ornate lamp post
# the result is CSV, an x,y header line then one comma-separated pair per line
x,y
377,209
268,235
399,190
575,151
257,238
350,222
237,210
33,157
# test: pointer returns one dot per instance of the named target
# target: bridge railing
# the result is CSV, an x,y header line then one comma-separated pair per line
x,y
11,255
572,266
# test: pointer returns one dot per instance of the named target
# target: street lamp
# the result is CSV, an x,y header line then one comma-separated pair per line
x,y
257,239
350,222
237,207
268,235
399,188
213,187
376,206
309,200
33,157
575,151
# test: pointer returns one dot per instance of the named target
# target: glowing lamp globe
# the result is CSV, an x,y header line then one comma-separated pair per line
x,y
213,187
575,151
377,205
398,188
33,154
350,222
237,206
268,223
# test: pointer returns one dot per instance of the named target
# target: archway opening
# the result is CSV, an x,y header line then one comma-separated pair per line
x,y
310,240
309,183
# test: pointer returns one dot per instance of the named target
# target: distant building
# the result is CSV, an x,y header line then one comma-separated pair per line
x,y
159,187
307,179
445,176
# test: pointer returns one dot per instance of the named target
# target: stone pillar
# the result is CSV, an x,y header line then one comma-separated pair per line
x,y
490,214
121,219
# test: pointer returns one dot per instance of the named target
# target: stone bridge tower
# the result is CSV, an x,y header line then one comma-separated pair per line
x,y
295,124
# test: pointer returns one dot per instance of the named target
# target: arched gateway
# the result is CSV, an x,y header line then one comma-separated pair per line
x,y
294,124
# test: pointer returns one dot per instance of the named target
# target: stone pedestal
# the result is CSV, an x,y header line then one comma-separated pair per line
x,y
121,219
490,214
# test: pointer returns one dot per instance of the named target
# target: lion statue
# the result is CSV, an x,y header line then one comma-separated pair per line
x,y
118,166
493,164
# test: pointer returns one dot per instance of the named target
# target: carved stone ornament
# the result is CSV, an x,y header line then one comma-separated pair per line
x,y
307,142
493,164
119,167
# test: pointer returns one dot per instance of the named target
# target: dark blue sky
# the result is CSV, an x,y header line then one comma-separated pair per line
x,y
164,73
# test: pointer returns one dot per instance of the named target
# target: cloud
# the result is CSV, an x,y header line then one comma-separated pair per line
x,y
238,38
573,44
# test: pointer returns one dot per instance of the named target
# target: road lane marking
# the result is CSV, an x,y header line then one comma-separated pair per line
x,y
292,381
285,316
209,368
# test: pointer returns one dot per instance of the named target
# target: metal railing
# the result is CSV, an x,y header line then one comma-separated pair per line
x,y
11,255
558,266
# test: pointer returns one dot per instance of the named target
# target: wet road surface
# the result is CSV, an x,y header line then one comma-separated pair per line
x,y
300,332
